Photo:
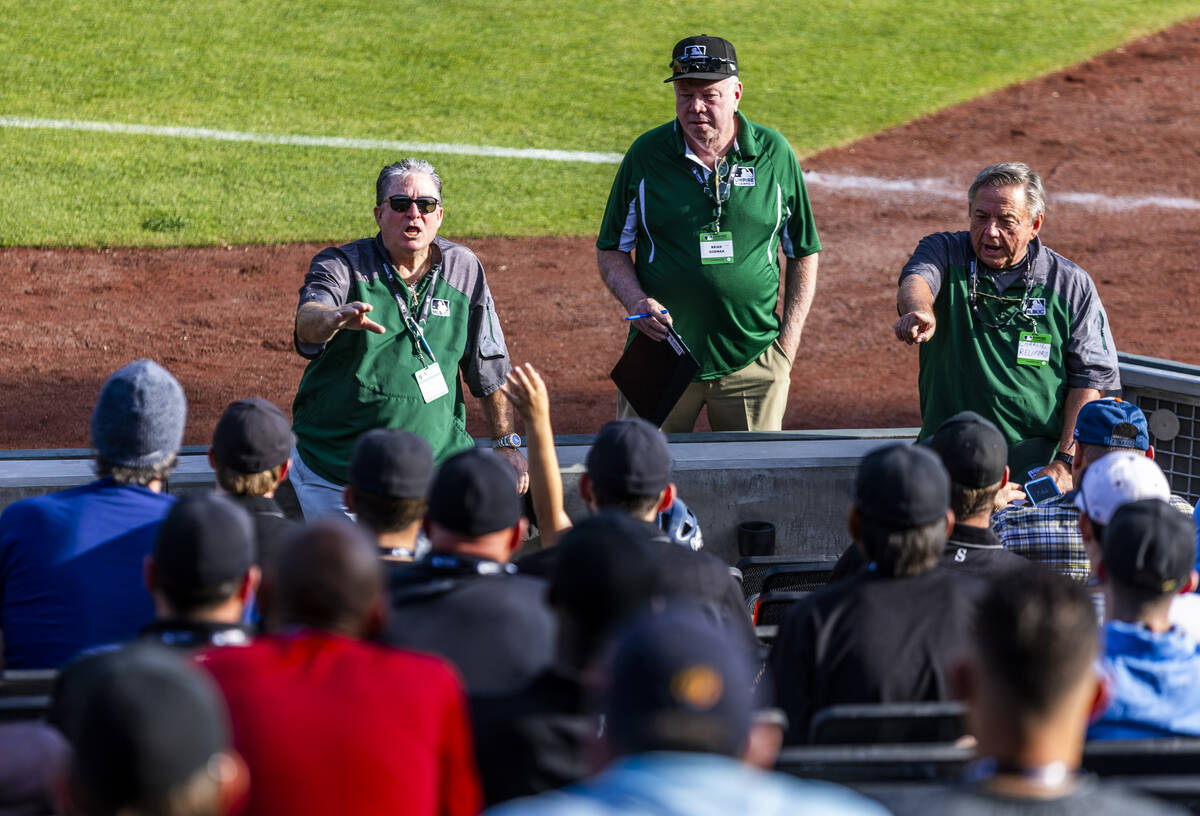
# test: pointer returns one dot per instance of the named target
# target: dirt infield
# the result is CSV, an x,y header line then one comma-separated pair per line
x,y
1123,125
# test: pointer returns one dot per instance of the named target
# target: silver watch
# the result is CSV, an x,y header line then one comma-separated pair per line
x,y
507,441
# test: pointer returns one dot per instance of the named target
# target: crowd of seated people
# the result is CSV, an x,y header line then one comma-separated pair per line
x,y
412,656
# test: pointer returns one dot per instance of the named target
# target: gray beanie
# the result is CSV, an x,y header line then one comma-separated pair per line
x,y
139,415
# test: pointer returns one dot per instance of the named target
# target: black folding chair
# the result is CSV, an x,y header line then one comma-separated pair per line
x,y
883,723
770,607
800,577
754,569
850,764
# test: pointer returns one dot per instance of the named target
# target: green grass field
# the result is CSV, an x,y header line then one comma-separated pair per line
x,y
564,75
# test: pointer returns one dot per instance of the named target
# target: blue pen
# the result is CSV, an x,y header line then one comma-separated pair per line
x,y
646,314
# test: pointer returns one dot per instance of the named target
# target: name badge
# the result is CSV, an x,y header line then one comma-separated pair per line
x,y
716,248
743,176
431,382
1033,349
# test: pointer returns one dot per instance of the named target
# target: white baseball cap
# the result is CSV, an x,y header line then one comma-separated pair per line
x,y
1116,479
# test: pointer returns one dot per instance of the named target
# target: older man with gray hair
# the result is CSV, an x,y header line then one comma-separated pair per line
x,y
388,325
1008,328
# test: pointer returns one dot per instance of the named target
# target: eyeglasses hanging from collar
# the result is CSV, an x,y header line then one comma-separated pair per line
x,y
1020,304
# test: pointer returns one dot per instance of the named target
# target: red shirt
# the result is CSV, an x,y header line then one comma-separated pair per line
x,y
332,725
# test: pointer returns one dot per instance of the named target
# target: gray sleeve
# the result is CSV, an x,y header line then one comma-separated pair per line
x,y
484,364
1091,354
327,282
929,260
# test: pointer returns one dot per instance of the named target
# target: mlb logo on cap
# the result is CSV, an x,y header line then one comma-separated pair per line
x,y
694,51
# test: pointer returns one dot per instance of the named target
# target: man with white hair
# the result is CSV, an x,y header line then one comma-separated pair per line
x,y
388,325
690,238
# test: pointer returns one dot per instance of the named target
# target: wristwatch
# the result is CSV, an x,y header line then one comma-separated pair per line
x,y
1065,458
507,441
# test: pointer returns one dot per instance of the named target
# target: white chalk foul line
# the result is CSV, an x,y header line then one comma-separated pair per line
x,y
940,188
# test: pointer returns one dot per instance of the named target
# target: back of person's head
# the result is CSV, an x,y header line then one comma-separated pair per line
x,y
1035,634
975,455
137,423
1117,479
1148,552
329,577
678,683
474,501
204,550
629,466
250,447
389,477
901,502
150,736
606,570
1111,424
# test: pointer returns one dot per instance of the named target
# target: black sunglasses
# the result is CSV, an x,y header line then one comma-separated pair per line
x,y
425,204
688,65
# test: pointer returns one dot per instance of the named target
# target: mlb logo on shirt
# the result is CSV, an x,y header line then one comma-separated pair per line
x,y
743,176
439,307
1036,307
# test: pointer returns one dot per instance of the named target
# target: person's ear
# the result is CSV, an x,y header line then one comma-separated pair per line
x,y
348,499
1037,223
1150,453
1100,698
233,780
666,498
516,535
949,522
1192,583
250,583
1007,473
212,460
285,470
585,491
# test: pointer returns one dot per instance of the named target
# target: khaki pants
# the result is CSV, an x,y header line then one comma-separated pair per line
x,y
752,399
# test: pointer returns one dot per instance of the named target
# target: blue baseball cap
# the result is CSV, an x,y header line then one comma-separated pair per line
x,y
1113,423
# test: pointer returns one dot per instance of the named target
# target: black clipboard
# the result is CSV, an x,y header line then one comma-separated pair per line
x,y
653,374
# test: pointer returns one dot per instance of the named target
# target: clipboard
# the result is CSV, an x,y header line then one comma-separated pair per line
x,y
653,374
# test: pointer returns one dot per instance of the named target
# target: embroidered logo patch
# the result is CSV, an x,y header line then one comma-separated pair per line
x,y
1036,307
440,307
743,176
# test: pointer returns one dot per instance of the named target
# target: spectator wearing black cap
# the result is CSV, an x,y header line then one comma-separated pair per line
x,y
390,472
975,455
629,471
329,722
1030,686
886,633
1147,557
678,711
250,455
539,737
464,600
1049,533
202,574
150,737
71,562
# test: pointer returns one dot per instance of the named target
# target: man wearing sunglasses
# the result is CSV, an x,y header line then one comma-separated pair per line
x,y
388,324
690,239
1007,327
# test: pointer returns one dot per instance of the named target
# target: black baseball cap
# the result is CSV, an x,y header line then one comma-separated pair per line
x,y
205,542
972,449
252,435
902,487
475,493
679,683
703,57
142,723
1150,544
629,457
392,462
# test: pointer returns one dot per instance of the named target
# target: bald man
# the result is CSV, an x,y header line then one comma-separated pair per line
x,y
329,723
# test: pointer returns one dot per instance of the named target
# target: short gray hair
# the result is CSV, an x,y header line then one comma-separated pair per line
x,y
402,168
1006,173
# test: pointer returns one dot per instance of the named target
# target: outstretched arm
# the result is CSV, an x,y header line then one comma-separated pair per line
x,y
914,302
526,390
317,323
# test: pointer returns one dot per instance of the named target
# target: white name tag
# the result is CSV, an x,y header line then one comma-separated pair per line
x,y
1033,349
431,382
716,247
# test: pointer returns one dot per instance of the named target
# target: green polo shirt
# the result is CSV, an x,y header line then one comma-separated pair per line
x,y
657,210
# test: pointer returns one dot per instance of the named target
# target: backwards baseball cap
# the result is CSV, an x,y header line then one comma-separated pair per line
x,y
1150,544
972,449
629,457
252,436
1116,479
679,683
205,542
138,418
475,493
902,487
142,723
702,57
392,462
1114,423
